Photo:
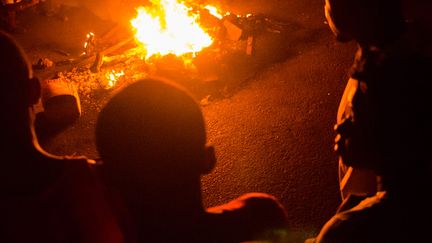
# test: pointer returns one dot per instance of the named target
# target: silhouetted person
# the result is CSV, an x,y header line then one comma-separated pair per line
x,y
374,26
43,198
383,126
151,137
392,29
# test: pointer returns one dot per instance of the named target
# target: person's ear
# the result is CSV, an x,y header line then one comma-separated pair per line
x,y
34,91
209,160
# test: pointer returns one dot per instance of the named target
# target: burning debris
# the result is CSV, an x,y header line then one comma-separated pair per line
x,y
112,78
89,44
43,63
168,27
188,42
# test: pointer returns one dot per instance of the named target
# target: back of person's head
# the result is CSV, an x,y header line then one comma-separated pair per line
x,y
152,132
19,90
370,22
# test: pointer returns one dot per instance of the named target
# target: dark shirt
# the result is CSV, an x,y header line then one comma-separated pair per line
x,y
395,82
380,218
72,208
252,217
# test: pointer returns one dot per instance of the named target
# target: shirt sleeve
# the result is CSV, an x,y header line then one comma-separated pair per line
x,y
252,216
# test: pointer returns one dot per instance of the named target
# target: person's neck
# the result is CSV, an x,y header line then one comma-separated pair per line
x,y
16,147
27,168
402,185
24,145
19,137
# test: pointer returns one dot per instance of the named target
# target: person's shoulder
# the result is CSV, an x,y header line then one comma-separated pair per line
x,y
75,168
253,202
73,162
251,216
354,223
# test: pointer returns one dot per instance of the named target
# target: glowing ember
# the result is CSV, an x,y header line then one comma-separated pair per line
x,y
112,77
89,43
168,27
214,11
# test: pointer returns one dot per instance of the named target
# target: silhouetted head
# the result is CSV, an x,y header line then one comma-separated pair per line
x,y
19,91
384,118
152,135
371,22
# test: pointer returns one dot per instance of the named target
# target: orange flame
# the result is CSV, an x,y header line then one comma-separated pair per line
x,y
112,77
214,11
168,27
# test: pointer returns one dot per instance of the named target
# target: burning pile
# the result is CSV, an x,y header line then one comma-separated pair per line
x,y
169,34
170,37
169,27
